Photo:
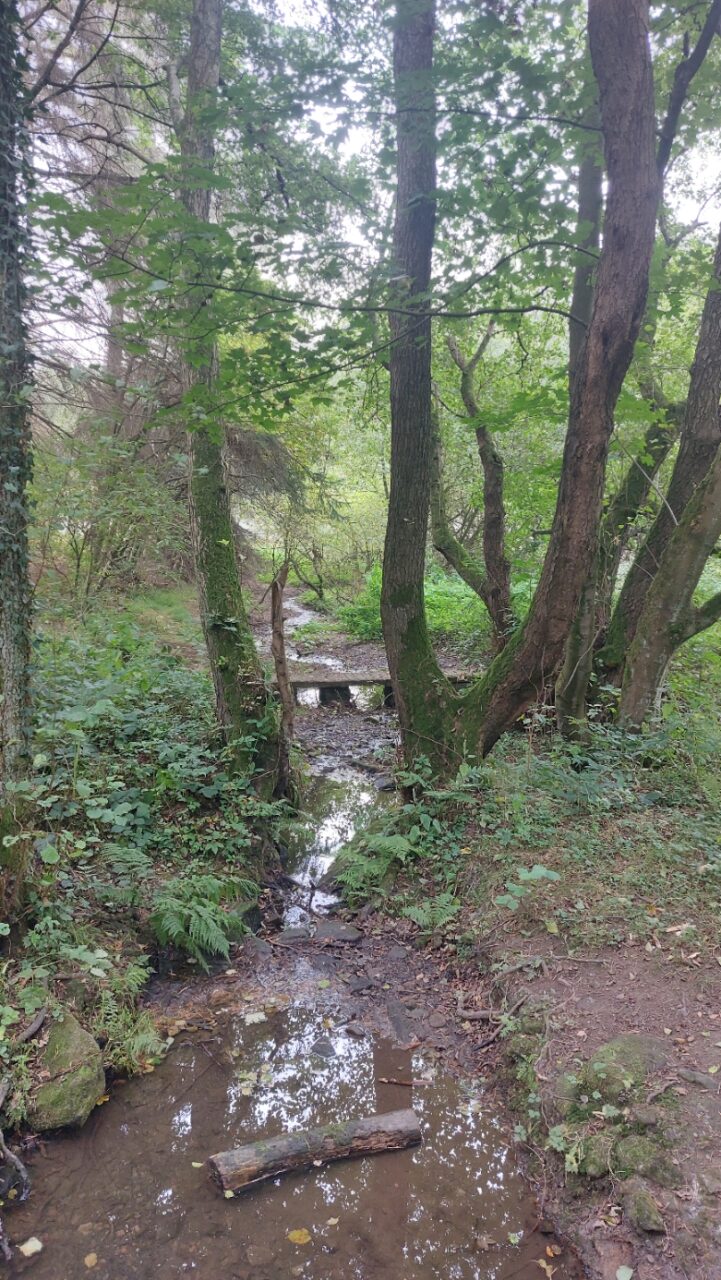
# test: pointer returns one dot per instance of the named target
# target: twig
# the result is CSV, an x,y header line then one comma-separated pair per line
x,y
32,1029
508,1013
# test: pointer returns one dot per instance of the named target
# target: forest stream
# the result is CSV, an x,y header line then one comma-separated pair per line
x,y
286,1038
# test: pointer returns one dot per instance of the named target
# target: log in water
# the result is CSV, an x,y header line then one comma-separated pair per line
x,y
269,1157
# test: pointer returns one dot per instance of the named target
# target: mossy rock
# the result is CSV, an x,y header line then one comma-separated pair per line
x,y
74,1063
640,1208
596,1153
618,1068
520,1046
639,1154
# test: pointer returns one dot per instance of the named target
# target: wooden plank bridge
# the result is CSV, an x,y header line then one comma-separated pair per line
x,y
328,678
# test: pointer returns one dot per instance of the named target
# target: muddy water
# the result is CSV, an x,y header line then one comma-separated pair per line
x,y
129,1198
128,1191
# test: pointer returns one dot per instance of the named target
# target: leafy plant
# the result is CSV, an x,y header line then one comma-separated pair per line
x,y
518,890
191,913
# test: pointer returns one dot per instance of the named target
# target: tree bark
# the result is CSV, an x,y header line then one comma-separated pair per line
x,y
422,694
243,703
571,686
492,581
15,440
269,1157
700,438
620,54
668,617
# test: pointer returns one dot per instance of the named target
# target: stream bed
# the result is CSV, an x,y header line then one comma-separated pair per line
x,y
129,1198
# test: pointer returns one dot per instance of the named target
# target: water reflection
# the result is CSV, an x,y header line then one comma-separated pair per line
x,y
127,1190
345,800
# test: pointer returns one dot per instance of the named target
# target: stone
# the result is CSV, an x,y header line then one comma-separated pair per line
x,y
640,1154
323,1047
619,1067
259,1255
437,1020
295,933
361,983
336,931
640,1208
646,1116
76,1081
595,1155
398,953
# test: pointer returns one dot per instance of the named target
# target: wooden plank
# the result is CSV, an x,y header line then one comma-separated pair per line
x,y
324,678
269,1157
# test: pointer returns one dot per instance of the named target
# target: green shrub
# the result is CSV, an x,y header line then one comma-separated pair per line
x,y
191,913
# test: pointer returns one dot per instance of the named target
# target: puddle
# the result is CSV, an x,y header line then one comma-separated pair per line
x,y
335,807
125,1188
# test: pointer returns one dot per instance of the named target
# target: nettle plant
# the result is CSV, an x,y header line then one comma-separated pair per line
x,y
520,888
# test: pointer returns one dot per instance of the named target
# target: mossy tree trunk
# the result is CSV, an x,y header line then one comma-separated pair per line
x,y
15,441
422,694
244,706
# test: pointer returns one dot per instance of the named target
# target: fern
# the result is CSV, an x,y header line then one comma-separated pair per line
x,y
435,914
190,913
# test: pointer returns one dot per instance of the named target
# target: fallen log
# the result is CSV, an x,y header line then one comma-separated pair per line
x,y
269,1157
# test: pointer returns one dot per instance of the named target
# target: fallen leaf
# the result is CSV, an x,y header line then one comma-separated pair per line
x,y
624,1273
230,973
553,1250
301,1236
332,1222
229,1195
552,927
197,1164
324,982
546,1267
91,1260
252,1018
30,1247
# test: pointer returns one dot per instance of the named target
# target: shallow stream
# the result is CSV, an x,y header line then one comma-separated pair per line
x,y
129,1197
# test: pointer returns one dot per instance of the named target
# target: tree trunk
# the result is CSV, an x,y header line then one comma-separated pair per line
x,y
244,707
15,440
269,1157
700,438
620,54
492,581
668,616
466,565
422,694
621,58
573,680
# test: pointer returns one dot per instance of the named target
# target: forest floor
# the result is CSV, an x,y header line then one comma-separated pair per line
x,y
589,1016
638,954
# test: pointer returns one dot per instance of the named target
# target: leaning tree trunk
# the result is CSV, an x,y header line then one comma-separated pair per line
x,y
15,441
700,438
422,694
669,617
491,579
243,703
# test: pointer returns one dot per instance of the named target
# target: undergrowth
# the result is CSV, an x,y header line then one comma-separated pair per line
x,y
139,838
599,844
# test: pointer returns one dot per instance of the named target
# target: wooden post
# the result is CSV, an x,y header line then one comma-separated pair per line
x,y
285,690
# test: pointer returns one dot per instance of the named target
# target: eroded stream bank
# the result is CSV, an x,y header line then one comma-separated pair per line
x,y
307,1026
